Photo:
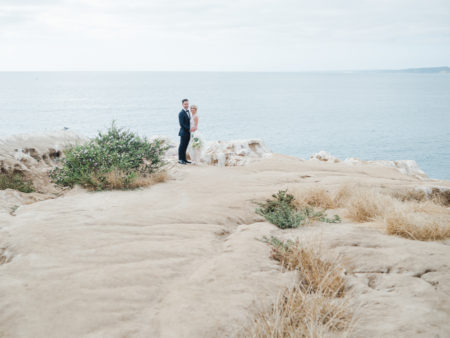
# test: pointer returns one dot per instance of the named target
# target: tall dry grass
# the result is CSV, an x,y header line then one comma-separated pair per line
x,y
320,197
405,195
417,226
437,196
297,313
362,204
343,194
408,213
410,216
314,197
315,273
314,306
367,205
118,180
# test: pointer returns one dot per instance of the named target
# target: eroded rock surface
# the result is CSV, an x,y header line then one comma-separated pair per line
x,y
401,287
223,153
184,258
33,156
407,167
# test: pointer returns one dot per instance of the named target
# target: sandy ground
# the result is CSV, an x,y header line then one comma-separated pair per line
x,y
183,259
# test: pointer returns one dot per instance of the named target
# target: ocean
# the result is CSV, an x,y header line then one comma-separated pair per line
x,y
369,115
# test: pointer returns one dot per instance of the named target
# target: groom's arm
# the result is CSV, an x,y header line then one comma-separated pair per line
x,y
184,123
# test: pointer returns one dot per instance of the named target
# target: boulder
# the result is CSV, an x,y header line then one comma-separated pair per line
x,y
234,153
324,156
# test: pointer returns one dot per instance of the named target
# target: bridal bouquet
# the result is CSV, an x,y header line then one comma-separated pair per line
x,y
196,142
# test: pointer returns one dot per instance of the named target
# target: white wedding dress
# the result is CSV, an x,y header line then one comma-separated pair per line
x,y
195,153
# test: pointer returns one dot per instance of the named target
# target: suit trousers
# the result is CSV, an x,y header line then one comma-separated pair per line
x,y
184,142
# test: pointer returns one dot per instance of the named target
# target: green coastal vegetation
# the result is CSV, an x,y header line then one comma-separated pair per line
x,y
16,181
282,211
116,159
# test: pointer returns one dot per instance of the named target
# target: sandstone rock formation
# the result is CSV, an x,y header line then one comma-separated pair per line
x,y
324,156
33,156
185,258
407,167
234,153
223,153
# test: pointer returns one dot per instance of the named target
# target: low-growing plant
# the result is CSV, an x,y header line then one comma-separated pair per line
x,y
16,181
112,160
319,215
281,210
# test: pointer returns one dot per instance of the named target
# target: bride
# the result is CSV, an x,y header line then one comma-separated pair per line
x,y
196,144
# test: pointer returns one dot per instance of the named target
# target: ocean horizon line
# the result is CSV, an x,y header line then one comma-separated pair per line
x,y
433,69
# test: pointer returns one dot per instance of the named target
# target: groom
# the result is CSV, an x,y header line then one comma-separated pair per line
x,y
184,117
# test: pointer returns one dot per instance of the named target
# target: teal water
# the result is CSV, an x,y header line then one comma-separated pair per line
x,y
369,115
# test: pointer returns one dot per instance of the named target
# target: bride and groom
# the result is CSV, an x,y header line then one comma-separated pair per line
x,y
189,140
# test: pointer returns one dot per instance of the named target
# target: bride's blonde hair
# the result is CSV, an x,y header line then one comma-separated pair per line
x,y
193,106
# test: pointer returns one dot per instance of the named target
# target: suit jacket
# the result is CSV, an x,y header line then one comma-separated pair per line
x,y
185,123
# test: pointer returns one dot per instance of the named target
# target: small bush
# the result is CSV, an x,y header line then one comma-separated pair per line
x,y
116,159
16,181
282,211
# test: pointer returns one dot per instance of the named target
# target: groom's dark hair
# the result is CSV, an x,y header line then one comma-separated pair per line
x,y
184,100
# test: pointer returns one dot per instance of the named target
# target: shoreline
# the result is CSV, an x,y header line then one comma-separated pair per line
x,y
30,140
34,155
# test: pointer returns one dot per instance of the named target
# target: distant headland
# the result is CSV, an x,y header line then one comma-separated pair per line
x,y
425,70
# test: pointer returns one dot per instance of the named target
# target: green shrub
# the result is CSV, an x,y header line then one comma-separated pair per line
x,y
118,155
281,211
15,181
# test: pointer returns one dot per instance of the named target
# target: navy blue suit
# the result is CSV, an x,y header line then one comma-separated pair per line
x,y
184,133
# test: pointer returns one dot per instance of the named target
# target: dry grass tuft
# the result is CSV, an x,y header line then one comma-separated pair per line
x,y
366,205
408,213
441,196
429,207
342,196
315,306
409,195
437,196
118,180
314,272
322,198
145,181
417,226
314,197
297,313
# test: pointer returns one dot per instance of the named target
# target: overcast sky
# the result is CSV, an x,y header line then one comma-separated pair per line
x,y
223,35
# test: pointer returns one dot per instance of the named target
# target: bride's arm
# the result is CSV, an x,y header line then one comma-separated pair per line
x,y
196,122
